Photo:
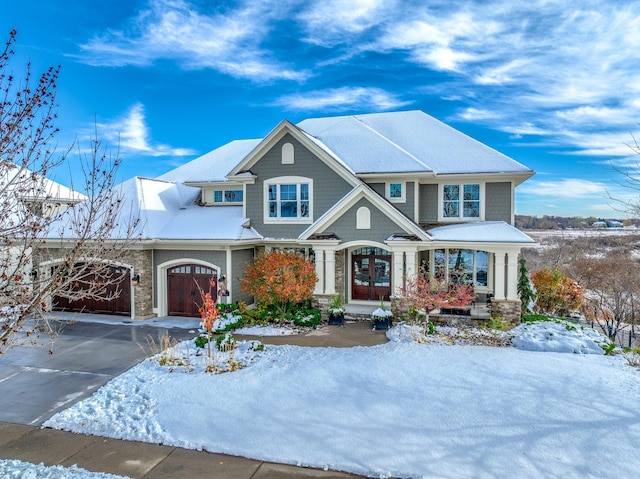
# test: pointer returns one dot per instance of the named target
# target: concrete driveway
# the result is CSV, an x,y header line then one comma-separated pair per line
x,y
35,383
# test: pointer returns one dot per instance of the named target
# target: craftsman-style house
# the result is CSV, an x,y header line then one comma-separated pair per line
x,y
370,198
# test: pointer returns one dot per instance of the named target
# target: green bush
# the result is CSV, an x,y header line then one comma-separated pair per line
x,y
307,317
226,342
256,345
201,340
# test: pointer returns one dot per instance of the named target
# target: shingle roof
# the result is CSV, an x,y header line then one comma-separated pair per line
x,y
409,141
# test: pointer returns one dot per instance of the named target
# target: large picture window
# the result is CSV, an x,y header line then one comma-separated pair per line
x,y
288,200
461,266
461,201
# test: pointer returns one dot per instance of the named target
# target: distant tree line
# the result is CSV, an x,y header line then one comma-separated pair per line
x,y
548,222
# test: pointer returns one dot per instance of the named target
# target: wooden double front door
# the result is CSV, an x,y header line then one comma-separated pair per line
x,y
370,274
186,285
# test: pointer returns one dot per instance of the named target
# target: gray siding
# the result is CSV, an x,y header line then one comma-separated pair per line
x,y
328,187
498,202
239,260
428,203
405,208
381,226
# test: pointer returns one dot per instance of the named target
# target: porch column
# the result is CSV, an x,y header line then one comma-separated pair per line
x,y
330,271
398,271
512,276
499,276
411,261
319,289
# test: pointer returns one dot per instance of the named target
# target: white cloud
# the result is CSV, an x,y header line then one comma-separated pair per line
x,y
331,22
567,188
370,99
131,132
173,29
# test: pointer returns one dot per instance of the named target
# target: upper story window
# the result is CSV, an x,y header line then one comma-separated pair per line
x,y
461,201
288,199
395,192
228,196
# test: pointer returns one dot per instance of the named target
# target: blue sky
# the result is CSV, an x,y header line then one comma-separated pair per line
x,y
553,84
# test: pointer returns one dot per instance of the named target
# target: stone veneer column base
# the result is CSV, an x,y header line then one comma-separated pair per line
x,y
508,310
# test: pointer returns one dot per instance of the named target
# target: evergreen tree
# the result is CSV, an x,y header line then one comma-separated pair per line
x,y
524,287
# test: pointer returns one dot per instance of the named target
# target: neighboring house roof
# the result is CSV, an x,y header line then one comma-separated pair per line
x,y
403,142
481,231
43,189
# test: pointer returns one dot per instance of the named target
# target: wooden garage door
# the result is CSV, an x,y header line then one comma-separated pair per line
x,y
183,294
119,286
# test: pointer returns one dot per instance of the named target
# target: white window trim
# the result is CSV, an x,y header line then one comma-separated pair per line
x,y
456,219
387,191
224,202
286,180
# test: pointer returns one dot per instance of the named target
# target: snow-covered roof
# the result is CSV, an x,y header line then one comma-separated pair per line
x,y
167,210
212,166
409,141
484,231
34,186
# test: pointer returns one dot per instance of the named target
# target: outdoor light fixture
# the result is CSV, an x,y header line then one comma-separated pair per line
x,y
222,286
34,274
135,280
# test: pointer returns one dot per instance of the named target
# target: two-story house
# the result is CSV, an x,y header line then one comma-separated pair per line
x,y
370,198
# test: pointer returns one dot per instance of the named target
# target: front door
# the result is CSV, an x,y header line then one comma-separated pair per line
x,y
370,274
184,286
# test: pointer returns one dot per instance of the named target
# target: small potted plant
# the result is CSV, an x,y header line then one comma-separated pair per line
x,y
382,316
336,311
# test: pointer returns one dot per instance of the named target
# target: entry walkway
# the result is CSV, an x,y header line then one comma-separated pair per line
x,y
92,350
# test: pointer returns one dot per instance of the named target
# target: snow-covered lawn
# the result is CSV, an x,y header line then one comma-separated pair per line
x,y
407,409
11,468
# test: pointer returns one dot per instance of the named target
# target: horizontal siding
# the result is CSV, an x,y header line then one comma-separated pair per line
x,y
428,203
381,226
239,261
328,187
498,201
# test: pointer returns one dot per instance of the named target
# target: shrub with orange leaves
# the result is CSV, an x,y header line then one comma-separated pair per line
x,y
209,312
557,294
427,293
279,279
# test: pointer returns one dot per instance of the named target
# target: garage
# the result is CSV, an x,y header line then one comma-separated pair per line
x,y
184,285
118,286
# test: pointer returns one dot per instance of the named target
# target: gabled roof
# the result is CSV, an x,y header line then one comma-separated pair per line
x,y
321,151
406,142
349,200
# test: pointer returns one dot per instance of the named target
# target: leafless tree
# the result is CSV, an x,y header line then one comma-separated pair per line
x,y
54,242
612,291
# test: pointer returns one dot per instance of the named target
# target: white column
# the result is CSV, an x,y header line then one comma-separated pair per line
x,y
330,272
398,271
412,263
498,282
319,271
512,276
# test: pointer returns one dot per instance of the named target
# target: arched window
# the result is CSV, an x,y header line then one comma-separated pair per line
x,y
363,218
287,154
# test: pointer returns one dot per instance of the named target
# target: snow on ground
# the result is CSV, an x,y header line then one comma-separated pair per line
x,y
267,331
10,468
403,409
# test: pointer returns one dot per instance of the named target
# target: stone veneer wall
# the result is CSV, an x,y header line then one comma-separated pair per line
x,y
508,310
